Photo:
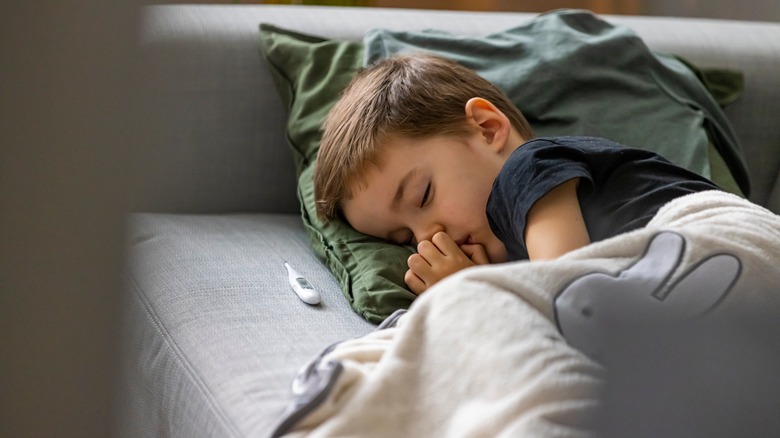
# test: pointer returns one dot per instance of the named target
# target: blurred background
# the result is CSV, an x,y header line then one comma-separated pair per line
x,y
759,10
69,135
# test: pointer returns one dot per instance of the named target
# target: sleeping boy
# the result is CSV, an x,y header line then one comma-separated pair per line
x,y
420,150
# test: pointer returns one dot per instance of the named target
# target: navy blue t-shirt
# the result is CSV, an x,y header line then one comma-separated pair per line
x,y
620,188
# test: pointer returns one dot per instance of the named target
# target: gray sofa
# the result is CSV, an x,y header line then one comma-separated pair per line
x,y
214,334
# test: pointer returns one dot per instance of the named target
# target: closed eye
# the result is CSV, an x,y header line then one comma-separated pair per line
x,y
425,195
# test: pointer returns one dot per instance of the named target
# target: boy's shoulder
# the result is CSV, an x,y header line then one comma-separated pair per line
x,y
584,149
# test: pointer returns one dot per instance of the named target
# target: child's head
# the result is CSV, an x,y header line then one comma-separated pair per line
x,y
396,105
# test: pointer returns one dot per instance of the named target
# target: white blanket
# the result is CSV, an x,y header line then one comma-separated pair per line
x,y
517,349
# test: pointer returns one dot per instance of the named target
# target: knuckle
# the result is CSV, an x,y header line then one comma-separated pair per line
x,y
424,245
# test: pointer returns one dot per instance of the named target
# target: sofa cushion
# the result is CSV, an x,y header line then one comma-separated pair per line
x,y
214,328
311,71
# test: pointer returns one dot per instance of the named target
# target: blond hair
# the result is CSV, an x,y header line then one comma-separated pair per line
x,y
412,96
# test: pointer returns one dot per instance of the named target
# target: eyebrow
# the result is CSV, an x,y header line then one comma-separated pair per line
x,y
399,193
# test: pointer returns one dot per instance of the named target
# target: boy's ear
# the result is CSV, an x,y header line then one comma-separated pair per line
x,y
493,125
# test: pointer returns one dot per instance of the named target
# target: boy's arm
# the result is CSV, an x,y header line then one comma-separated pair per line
x,y
554,225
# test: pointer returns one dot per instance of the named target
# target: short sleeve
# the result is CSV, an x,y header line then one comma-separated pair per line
x,y
529,173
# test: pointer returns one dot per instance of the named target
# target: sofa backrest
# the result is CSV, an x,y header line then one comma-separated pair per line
x,y
215,123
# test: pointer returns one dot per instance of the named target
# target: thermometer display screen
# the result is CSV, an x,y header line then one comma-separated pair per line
x,y
303,283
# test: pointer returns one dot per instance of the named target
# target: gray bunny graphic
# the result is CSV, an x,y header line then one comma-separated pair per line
x,y
594,303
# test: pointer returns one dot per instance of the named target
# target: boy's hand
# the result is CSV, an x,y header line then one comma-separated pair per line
x,y
438,258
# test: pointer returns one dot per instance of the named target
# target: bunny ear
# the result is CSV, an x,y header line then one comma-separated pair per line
x,y
704,286
592,305
658,263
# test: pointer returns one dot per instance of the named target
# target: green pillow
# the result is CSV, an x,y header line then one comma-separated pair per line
x,y
310,73
572,73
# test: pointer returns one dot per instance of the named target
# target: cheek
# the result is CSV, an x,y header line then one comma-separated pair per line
x,y
467,211
477,196
367,219
462,206
464,200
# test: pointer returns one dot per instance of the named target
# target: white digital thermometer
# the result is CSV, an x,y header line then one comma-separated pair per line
x,y
301,286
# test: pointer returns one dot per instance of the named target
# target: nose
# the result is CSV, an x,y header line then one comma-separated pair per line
x,y
426,231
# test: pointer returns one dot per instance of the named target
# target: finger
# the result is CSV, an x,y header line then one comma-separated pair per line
x,y
432,269
659,261
476,253
419,265
445,244
416,285
429,251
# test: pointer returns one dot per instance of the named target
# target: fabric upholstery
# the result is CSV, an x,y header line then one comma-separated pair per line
x,y
214,335
217,333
